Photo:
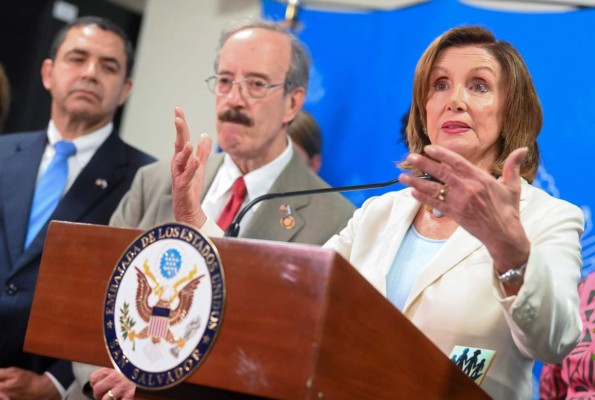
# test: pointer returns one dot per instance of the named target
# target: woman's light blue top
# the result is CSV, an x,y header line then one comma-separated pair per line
x,y
413,255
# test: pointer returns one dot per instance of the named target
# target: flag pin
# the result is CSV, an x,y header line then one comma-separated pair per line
x,y
102,183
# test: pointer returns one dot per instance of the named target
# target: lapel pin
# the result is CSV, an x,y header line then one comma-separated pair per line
x,y
102,183
287,221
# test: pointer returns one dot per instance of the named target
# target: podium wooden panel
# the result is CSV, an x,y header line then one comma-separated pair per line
x,y
299,322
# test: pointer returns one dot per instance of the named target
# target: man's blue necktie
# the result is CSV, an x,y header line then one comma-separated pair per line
x,y
49,189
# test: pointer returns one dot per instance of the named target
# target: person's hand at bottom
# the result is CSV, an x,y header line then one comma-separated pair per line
x,y
109,384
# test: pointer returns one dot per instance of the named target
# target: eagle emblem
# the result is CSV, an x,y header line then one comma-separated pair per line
x,y
164,305
160,315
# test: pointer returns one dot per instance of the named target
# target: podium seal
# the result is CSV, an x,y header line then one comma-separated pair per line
x,y
163,306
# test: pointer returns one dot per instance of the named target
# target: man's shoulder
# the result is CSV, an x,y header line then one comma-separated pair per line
x,y
134,155
297,176
300,177
16,138
20,136
158,174
138,156
10,141
334,197
333,205
158,170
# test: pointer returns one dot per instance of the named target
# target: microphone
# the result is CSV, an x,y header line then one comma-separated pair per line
x,y
234,228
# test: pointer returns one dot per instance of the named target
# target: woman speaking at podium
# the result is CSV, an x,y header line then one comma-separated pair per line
x,y
476,256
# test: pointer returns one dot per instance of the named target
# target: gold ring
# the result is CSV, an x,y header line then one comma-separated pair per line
x,y
443,192
111,395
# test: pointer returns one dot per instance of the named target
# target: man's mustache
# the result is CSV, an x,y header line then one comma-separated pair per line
x,y
235,116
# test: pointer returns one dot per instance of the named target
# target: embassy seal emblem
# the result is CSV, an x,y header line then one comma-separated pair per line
x,y
163,306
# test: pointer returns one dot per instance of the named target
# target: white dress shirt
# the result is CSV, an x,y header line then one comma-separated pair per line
x,y
258,182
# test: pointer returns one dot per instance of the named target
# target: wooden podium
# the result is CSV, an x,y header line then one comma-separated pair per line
x,y
299,323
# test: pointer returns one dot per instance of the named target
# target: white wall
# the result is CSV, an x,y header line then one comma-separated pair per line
x,y
175,54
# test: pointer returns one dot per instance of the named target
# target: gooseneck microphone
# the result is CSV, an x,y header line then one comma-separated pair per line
x,y
234,228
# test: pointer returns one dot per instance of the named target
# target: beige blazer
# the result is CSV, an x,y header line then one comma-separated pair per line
x,y
317,217
457,300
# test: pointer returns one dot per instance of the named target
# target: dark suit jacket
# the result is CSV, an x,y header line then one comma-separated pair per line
x,y
86,201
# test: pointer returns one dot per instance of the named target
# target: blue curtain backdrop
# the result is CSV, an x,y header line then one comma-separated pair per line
x,y
360,87
362,74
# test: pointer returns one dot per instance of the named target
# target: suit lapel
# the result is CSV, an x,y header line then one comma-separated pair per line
x,y
213,164
404,212
459,246
270,215
454,250
266,223
99,177
379,258
18,175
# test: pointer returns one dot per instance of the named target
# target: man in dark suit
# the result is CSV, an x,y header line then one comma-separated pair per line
x,y
88,77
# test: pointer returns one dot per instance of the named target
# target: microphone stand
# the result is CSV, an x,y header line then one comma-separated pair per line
x,y
234,228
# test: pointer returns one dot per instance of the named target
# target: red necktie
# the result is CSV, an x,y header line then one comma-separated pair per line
x,y
238,195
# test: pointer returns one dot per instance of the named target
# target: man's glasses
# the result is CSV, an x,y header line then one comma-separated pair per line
x,y
254,87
